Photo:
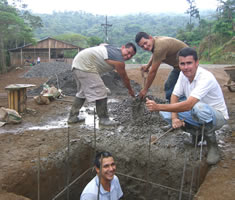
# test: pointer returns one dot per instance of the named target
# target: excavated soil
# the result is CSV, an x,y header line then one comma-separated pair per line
x,y
44,134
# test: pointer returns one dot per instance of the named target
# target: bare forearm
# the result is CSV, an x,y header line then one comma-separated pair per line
x,y
176,107
126,82
150,62
174,99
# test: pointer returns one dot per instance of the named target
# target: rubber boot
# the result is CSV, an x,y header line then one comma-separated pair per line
x,y
74,111
102,112
213,155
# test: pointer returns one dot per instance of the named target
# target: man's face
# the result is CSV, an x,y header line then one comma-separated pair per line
x,y
108,169
146,44
127,53
188,66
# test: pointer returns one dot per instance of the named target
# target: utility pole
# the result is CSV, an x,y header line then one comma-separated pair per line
x,y
106,26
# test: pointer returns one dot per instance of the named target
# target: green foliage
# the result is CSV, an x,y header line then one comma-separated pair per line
x,y
211,35
123,30
94,41
193,12
206,31
225,23
70,53
224,53
16,28
75,39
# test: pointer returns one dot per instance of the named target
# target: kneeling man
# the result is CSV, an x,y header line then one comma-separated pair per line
x,y
204,104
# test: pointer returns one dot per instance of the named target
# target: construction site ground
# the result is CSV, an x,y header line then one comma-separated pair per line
x,y
17,151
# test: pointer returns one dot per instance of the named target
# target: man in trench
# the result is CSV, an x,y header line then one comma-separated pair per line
x,y
87,67
204,104
109,187
164,49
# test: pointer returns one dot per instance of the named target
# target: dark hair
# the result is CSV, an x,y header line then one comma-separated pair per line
x,y
104,154
187,51
141,35
130,44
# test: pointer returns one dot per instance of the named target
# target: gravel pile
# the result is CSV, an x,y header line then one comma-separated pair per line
x,y
61,77
47,69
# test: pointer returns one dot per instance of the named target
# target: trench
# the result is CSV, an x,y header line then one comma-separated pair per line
x,y
145,172
166,170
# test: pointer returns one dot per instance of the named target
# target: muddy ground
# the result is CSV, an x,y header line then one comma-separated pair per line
x,y
44,133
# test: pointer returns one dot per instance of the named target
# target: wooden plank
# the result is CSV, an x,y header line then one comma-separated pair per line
x,y
18,86
16,101
12,100
22,99
9,99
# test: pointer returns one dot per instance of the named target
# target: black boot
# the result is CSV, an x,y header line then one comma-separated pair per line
x,y
102,112
74,112
213,155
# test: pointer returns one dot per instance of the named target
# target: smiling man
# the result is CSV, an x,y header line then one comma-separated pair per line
x,y
164,50
109,187
87,67
204,104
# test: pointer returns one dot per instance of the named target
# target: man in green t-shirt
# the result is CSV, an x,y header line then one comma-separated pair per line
x,y
164,49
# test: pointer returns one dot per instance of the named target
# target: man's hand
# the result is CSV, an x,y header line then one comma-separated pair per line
x,y
142,93
144,68
151,105
131,92
177,123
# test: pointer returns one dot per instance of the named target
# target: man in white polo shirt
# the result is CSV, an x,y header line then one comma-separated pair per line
x,y
87,67
109,187
204,104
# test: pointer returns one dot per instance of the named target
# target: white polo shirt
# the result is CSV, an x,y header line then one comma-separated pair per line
x,y
90,192
204,87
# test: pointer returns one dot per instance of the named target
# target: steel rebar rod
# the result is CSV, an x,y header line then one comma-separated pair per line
x,y
38,175
182,180
203,128
200,158
68,167
100,172
154,141
148,163
60,193
94,130
194,159
154,184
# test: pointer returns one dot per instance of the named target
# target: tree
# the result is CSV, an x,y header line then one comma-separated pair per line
x,y
16,28
225,24
193,12
94,41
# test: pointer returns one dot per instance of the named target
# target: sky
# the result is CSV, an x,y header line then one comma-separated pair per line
x,y
117,7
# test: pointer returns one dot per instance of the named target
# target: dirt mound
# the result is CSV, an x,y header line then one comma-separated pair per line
x,y
47,69
62,78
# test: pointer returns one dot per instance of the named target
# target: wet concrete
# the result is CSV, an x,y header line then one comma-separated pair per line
x,y
161,164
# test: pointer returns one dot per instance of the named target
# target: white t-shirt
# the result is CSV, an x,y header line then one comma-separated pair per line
x,y
204,87
90,192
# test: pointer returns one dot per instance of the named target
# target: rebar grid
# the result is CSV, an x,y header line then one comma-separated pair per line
x,y
190,193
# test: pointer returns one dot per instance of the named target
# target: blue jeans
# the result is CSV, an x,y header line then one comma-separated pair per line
x,y
170,83
200,114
